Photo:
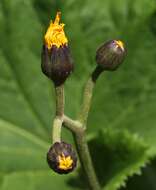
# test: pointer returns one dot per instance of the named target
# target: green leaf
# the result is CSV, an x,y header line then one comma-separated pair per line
x,y
144,181
122,100
116,156
19,145
35,180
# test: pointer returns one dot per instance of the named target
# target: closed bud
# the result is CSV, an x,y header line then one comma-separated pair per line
x,y
56,58
110,55
61,158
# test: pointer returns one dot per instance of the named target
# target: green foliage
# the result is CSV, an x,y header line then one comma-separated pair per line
x,y
117,156
123,100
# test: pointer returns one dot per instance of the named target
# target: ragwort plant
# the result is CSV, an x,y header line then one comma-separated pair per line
x,y
57,65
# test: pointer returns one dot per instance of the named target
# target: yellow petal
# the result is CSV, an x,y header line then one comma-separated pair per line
x,y
55,33
65,163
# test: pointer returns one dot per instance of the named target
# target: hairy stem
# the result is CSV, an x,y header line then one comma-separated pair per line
x,y
73,125
80,137
59,90
78,127
86,101
57,123
87,96
83,151
56,129
86,161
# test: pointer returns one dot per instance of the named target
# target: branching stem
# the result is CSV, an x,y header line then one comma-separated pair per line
x,y
83,151
78,127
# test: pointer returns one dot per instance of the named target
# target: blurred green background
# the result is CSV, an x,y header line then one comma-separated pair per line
x,y
122,121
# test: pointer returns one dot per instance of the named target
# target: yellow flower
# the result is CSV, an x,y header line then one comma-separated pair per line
x,y
62,158
55,34
65,163
120,44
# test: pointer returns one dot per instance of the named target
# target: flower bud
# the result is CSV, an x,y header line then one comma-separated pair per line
x,y
61,158
110,55
56,63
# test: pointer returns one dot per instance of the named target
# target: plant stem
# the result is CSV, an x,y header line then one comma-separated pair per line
x,y
87,97
57,123
59,90
86,101
80,137
72,125
83,151
56,129
86,161
78,127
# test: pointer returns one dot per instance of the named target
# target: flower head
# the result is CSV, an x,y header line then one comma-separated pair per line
x,y
61,158
110,55
57,63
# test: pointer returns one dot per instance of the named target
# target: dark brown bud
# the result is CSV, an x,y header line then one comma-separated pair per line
x,y
110,55
61,158
56,63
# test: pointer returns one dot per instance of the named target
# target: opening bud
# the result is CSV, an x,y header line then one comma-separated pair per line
x,y
61,158
56,63
110,55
